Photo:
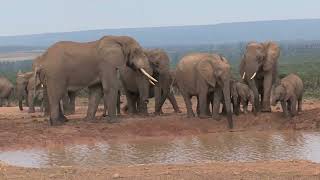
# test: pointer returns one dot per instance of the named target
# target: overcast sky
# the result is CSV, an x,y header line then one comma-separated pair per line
x,y
40,16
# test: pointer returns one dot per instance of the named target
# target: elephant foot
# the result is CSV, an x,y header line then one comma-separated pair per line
x,y
216,117
178,111
31,111
204,116
190,115
56,122
89,119
113,120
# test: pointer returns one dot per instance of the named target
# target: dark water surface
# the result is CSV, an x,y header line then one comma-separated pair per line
x,y
240,146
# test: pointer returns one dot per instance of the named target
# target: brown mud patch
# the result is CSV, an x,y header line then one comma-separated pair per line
x,y
213,170
22,130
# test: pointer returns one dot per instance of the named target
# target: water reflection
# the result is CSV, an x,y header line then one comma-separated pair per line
x,y
247,146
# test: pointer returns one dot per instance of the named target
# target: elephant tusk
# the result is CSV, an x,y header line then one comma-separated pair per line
x,y
253,75
151,82
148,75
244,75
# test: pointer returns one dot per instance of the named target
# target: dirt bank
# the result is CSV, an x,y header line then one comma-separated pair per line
x,y
20,129
234,170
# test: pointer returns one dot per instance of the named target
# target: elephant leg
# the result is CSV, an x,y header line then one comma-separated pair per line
x,y
95,94
55,94
300,104
203,104
131,103
111,99
198,106
187,100
41,106
31,101
293,108
216,104
65,103
118,103
244,103
61,112
267,85
72,102
157,99
284,108
46,102
104,114
173,102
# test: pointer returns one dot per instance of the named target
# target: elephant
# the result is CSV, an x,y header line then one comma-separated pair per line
x,y
200,74
289,92
259,69
22,80
25,84
160,63
71,66
243,95
6,90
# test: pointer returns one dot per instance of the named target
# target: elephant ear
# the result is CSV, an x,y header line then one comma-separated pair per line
x,y
272,53
205,70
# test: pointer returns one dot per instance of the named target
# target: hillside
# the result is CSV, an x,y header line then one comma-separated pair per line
x,y
306,29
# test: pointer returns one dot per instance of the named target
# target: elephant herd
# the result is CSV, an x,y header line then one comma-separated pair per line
x,y
115,65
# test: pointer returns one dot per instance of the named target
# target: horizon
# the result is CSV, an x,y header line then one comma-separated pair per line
x,y
38,17
150,27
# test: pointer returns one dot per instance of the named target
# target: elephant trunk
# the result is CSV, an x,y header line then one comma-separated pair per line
x,y
226,94
254,89
20,104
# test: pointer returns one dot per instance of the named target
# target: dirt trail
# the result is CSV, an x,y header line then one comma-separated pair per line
x,y
20,129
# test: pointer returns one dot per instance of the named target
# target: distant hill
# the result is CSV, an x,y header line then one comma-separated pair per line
x,y
290,30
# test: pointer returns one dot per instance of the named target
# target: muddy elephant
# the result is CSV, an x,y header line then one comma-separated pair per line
x,y
259,69
243,95
200,74
25,84
289,92
21,91
160,63
71,66
6,90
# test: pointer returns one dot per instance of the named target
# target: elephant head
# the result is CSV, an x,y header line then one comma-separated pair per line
x,y
215,70
22,80
278,94
132,53
259,60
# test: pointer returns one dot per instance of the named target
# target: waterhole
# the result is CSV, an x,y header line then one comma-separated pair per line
x,y
221,147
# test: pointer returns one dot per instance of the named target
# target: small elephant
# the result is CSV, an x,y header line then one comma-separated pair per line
x,y
289,92
6,90
243,94
22,81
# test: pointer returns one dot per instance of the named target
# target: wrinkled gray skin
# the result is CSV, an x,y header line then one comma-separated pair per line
x,y
244,95
25,84
259,69
71,66
289,92
6,90
160,63
199,74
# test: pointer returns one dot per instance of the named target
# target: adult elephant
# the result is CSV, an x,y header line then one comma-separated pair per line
x,y
259,69
200,74
6,90
160,63
25,84
70,66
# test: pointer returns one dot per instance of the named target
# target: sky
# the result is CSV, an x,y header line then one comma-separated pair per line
x,y
42,16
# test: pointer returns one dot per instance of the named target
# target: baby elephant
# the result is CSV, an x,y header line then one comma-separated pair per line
x,y
243,94
288,93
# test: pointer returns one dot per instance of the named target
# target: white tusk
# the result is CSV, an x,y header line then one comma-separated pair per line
x,y
244,75
151,82
253,75
148,75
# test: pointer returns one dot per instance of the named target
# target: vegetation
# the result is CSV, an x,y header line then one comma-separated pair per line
x,y
300,57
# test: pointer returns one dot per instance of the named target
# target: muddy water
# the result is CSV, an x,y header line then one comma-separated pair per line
x,y
248,146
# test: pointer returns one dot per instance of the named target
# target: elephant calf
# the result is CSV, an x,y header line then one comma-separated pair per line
x,y
289,92
243,94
